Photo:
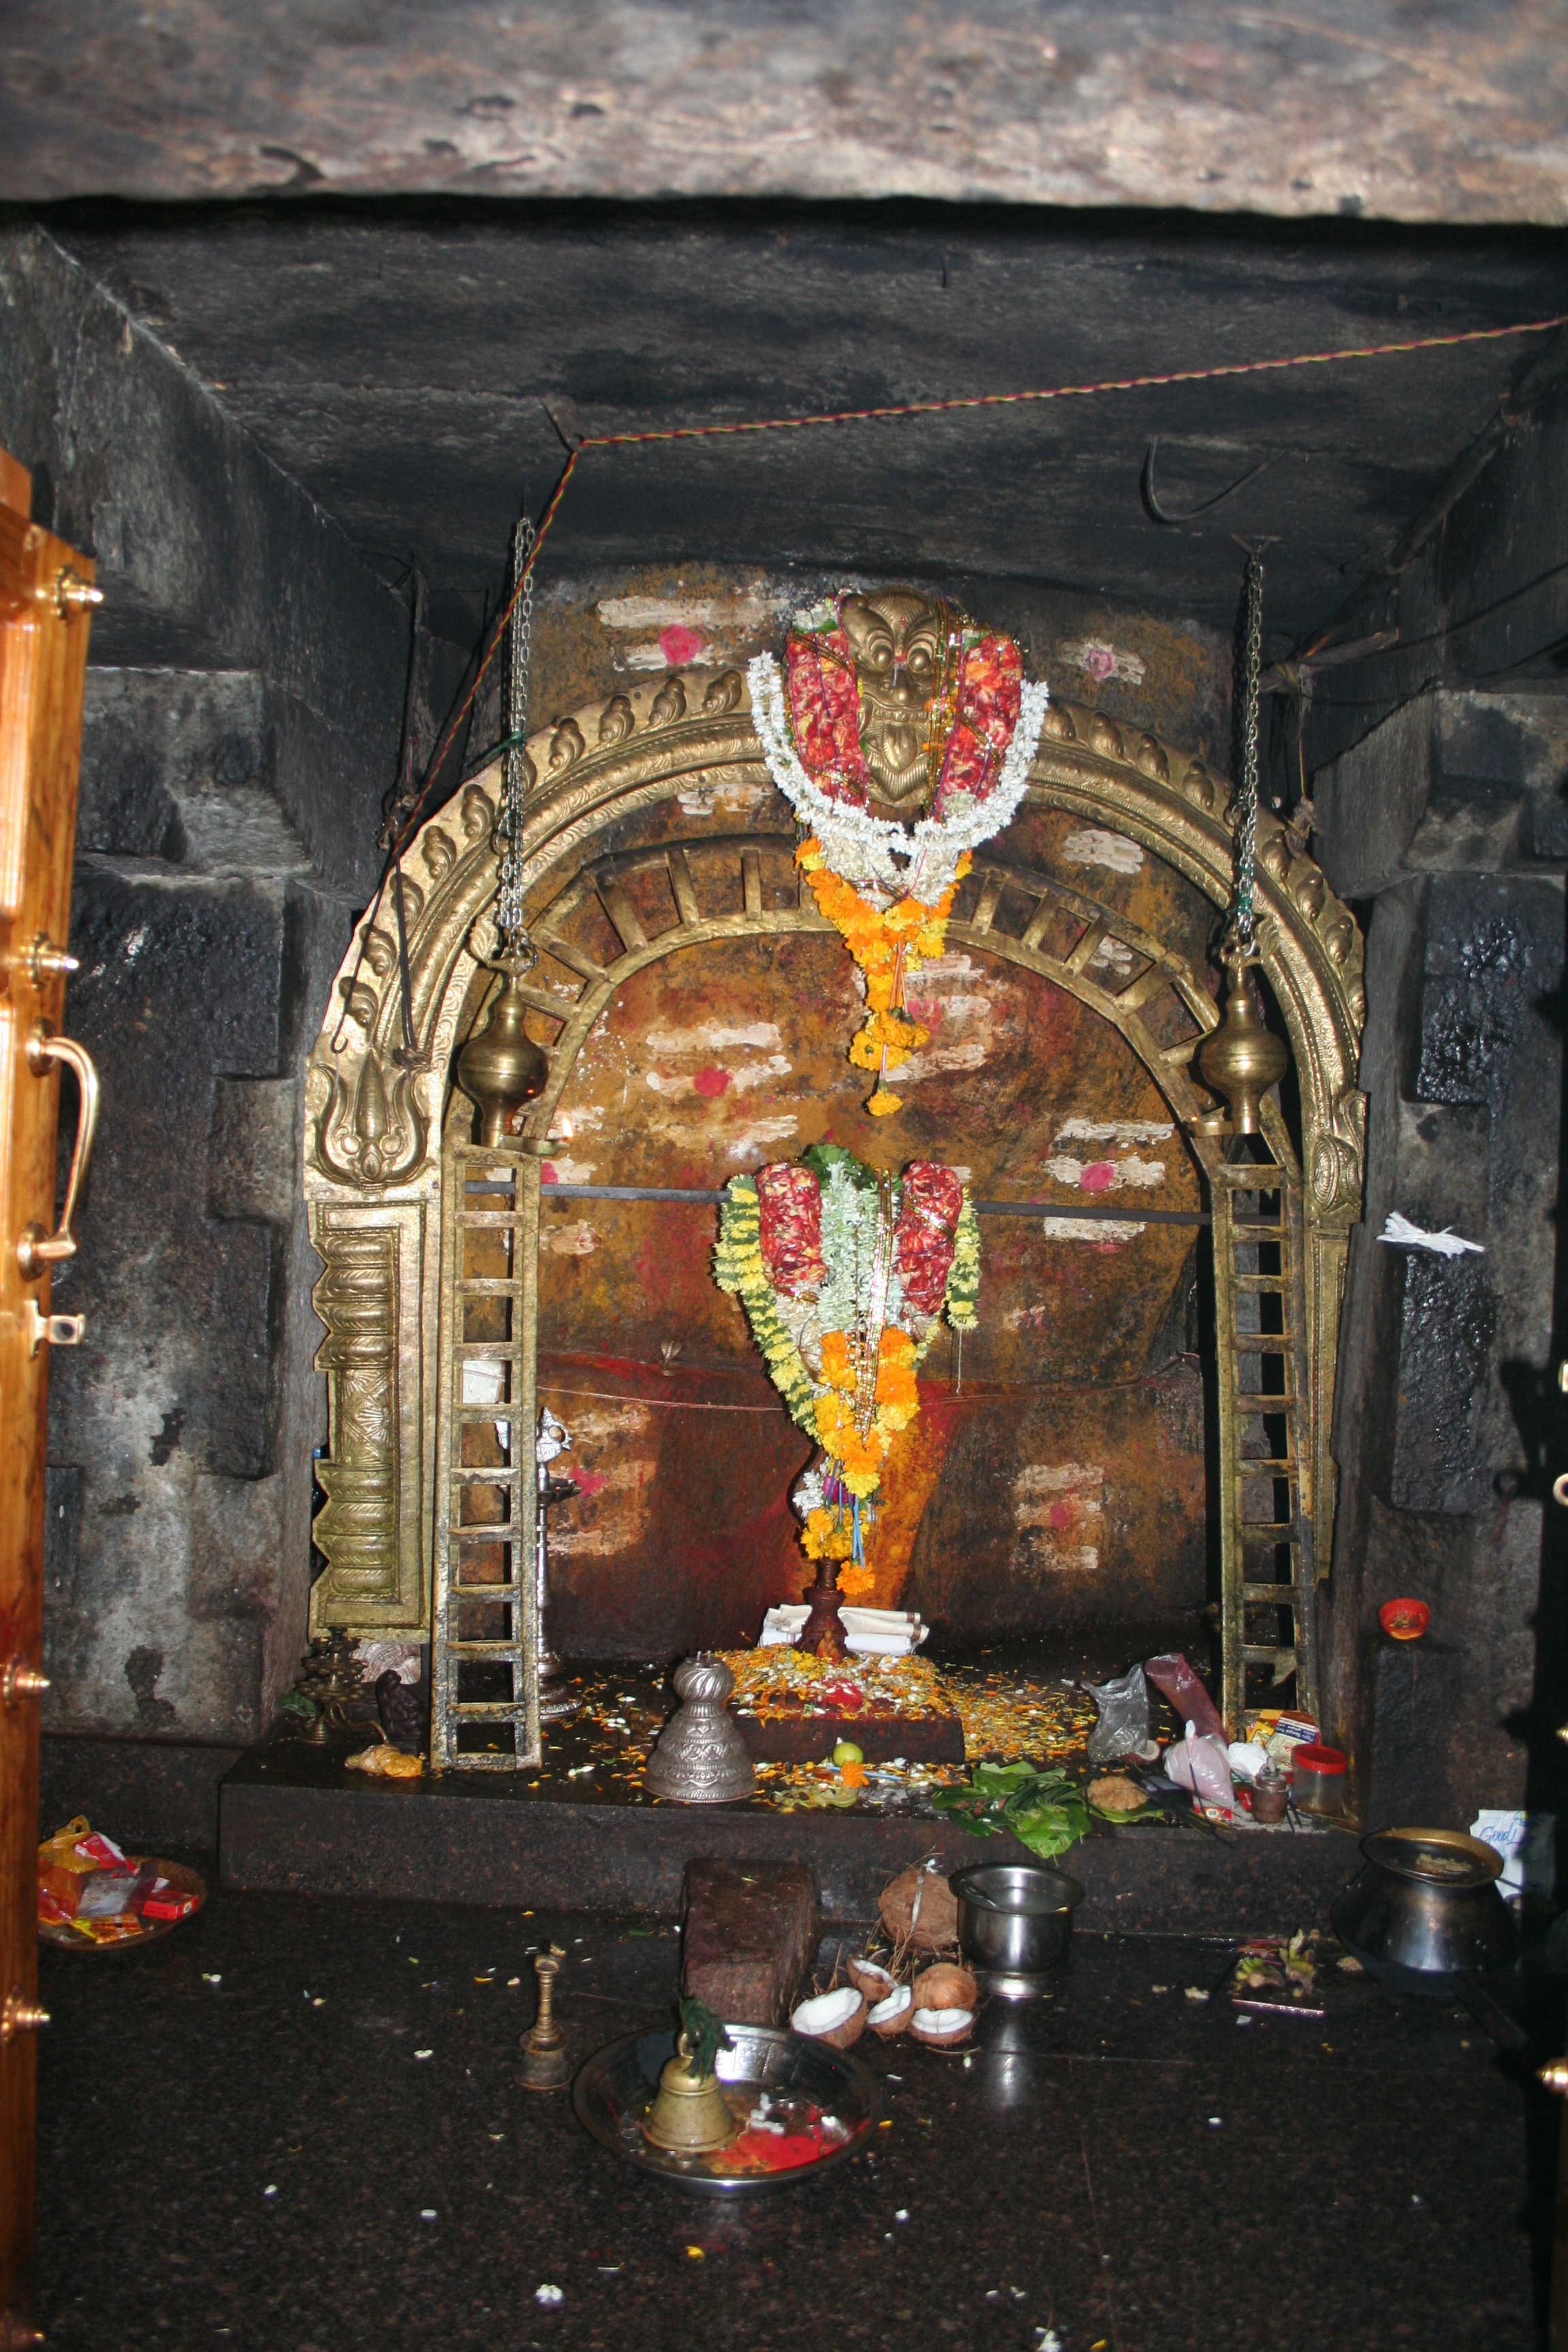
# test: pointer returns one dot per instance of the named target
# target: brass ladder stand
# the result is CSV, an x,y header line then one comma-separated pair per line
x,y
1264,1415
507,1181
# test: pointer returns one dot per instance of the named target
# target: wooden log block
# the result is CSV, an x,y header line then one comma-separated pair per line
x,y
749,1934
802,1738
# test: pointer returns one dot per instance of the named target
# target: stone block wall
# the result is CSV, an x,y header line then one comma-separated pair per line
x,y
242,721
1445,821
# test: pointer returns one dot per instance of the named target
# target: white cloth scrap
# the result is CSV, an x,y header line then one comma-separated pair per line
x,y
872,1633
1400,1231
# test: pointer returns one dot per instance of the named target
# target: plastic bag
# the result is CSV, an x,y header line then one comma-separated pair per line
x,y
1199,1763
1171,1675
1123,1726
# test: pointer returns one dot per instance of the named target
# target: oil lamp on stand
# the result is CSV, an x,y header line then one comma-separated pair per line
x,y
555,1701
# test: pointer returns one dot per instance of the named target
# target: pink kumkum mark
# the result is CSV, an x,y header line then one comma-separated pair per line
x,y
591,1482
678,644
710,1082
1098,661
1098,1177
1060,1515
547,1174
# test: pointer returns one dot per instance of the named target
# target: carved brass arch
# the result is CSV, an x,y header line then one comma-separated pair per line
x,y
373,1126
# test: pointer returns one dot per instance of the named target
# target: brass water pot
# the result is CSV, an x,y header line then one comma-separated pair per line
x,y
1242,1059
500,1068
690,2114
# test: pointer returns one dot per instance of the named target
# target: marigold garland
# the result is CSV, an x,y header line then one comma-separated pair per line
x,y
930,1266
983,727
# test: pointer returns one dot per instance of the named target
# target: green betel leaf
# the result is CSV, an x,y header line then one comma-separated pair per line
x,y
705,2035
822,1158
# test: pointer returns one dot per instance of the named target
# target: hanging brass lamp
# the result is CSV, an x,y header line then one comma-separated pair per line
x,y
1242,1059
500,1068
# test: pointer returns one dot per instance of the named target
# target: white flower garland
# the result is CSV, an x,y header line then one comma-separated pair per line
x,y
860,847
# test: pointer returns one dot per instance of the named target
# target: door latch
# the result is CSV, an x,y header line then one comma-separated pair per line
x,y
51,1331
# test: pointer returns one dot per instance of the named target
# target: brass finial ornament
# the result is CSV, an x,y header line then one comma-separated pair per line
x,y
690,2116
500,1068
1242,1059
546,2064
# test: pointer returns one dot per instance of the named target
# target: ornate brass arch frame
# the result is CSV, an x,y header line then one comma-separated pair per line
x,y
372,1125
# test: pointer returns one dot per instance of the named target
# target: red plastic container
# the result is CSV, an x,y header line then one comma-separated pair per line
x,y
1318,1778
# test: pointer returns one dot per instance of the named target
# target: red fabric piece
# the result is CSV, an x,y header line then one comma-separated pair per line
x,y
789,1221
989,699
923,1238
824,708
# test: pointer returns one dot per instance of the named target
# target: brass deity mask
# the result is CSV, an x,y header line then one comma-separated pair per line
x,y
897,640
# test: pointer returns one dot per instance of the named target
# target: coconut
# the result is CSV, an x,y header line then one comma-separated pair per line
x,y
873,1979
939,2029
892,2016
836,2018
919,1907
945,1987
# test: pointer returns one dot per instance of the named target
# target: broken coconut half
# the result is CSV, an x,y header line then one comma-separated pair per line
x,y
942,2006
836,2018
872,1979
892,2016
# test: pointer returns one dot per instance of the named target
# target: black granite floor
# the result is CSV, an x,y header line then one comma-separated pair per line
x,y
293,2126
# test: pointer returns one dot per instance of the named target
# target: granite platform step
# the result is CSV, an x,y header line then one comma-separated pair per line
x,y
292,1821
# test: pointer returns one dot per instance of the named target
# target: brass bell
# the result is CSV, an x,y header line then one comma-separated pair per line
x,y
546,2066
500,1068
690,2114
1242,1059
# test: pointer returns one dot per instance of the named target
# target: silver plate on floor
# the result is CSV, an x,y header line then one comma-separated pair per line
x,y
616,2088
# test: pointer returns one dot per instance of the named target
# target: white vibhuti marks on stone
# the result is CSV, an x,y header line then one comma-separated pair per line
x,y
942,996
1101,1231
714,1038
1097,659
1092,846
1060,1512
1124,1132
1106,1175
575,1239
760,1134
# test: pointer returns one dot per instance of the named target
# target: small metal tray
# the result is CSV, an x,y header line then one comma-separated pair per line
x,y
615,2089
183,1881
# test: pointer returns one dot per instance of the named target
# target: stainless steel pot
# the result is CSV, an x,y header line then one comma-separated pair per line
x,y
1425,1909
1014,1920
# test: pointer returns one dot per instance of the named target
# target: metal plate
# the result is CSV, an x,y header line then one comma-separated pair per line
x,y
183,1881
617,2087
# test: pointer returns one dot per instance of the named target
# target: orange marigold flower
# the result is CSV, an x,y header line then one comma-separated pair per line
x,y
837,1368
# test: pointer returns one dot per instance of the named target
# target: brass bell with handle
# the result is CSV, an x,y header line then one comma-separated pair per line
x,y
689,2115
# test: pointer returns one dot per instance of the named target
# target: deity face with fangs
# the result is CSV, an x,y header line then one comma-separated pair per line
x,y
896,637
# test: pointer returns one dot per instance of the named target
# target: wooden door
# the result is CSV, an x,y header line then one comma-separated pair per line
x,y
45,593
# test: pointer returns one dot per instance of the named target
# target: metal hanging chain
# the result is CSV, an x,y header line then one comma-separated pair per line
x,y
1244,919
519,773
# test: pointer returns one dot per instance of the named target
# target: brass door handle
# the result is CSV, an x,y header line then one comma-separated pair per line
x,y
20,2015
38,1251
1560,1490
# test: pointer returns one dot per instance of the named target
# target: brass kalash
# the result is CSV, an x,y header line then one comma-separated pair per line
x,y
690,2116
